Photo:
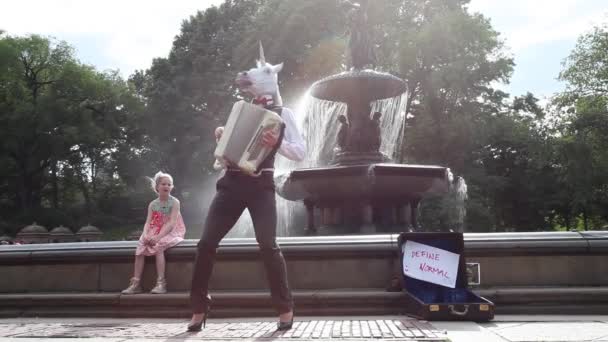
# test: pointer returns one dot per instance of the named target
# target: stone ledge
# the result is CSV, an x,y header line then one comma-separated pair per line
x,y
226,304
572,300
530,295
378,246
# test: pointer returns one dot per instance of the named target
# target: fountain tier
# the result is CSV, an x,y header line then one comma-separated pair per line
x,y
364,198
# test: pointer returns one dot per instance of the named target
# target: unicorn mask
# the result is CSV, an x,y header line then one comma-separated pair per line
x,y
261,81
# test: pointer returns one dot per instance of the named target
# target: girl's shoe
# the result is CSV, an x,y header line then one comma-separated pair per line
x,y
161,287
199,325
134,287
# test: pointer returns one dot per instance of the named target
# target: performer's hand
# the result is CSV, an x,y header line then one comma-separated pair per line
x,y
218,133
270,138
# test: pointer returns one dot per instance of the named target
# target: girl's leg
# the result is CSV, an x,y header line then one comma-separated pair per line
x,y
161,284
138,269
134,286
160,264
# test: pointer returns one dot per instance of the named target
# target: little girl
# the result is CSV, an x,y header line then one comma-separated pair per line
x,y
164,228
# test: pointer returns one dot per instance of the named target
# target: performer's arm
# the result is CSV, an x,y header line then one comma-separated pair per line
x,y
293,146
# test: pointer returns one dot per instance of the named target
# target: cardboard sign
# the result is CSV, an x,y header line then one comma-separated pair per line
x,y
430,264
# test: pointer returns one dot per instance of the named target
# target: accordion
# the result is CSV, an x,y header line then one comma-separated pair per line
x,y
241,144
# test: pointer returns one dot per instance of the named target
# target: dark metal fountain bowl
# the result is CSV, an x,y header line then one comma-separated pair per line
x,y
365,182
367,85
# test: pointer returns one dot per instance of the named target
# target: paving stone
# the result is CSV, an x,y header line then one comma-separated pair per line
x,y
9,330
318,329
552,331
426,328
386,333
347,330
336,329
394,330
365,330
327,329
356,329
292,331
307,334
404,329
376,333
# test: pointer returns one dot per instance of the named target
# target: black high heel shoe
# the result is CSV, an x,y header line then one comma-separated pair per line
x,y
282,326
285,325
199,325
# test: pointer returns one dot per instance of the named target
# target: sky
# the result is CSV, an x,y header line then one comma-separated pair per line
x,y
127,34
539,35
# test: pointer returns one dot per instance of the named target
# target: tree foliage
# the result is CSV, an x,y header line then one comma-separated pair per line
x,y
62,125
584,133
77,142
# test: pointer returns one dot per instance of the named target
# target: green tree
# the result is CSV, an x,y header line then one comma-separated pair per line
x,y
307,36
191,91
62,122
586,69
29,67
584,142
449,58
521,182
188,93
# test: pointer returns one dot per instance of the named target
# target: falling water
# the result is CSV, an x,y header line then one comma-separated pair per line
x,y
459,193
319,126
317,120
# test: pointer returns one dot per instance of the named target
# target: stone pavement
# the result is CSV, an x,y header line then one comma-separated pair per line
x,y
516,328
305,329
529,328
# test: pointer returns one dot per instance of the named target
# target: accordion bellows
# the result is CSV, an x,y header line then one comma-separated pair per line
x,y
241,143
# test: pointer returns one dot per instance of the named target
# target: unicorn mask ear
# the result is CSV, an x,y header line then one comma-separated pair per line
x,y
277,68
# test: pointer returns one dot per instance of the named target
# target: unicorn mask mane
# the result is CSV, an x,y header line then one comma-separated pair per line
x,y
261,81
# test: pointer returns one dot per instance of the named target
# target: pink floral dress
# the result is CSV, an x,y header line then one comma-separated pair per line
x,y
161,213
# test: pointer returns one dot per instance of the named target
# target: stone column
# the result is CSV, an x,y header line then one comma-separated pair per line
x,y
367,226
310,216
414,214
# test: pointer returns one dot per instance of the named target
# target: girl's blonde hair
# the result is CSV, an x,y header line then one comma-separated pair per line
x,y
156,180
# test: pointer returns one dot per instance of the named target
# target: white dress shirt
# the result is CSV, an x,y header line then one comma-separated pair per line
x,y
293,146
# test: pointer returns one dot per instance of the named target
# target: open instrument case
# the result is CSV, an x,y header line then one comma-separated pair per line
x,y
431,301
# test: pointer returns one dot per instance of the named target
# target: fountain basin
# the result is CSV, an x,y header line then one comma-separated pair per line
x,y
358,85
395,182
366,199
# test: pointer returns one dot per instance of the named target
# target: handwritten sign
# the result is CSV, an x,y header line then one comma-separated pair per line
x,y
430,264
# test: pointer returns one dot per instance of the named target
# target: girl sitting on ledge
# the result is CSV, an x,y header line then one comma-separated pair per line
x,y
164,228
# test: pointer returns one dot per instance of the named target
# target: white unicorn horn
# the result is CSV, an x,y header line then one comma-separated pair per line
x,y
262,58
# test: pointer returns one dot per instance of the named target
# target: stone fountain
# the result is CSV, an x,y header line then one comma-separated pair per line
x,y
362,190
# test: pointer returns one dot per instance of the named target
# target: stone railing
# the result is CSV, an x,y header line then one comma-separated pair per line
x,y
521,272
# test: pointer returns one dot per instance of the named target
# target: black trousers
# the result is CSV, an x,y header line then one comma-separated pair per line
x,y
235,192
